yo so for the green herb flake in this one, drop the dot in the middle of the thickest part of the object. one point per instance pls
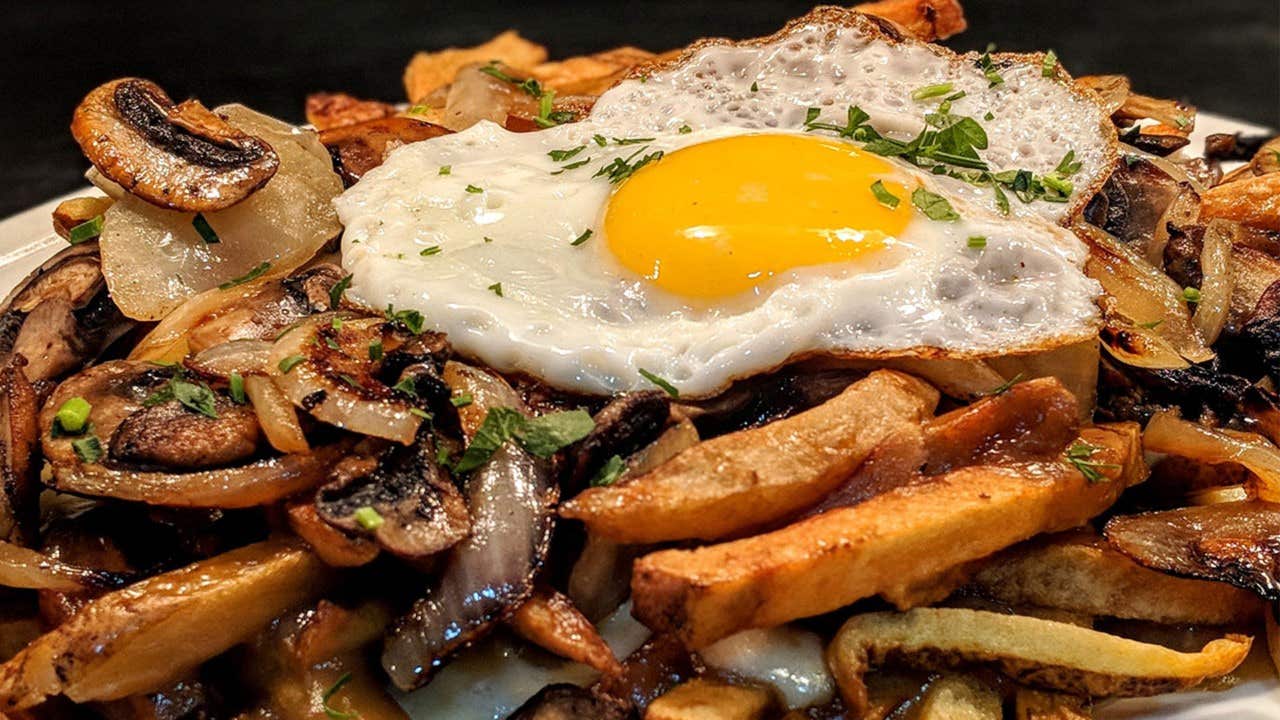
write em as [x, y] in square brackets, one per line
[685, 130]
[1151, 325]
[562, 155]
[755, 87]
[73, 416]
[666, 386]
[585, 236]
[332, 712]
[632, 141]
[253, 274]
[461, 400]
[446, 169]
[289, 363]
[1049, 66]
[600, 140]
[545, 435]
[410, 320]
[977, 242]
[202, 226]
[428, 252]
[988, 68]
[407, 386]
[337, 291]
[419, 412]
[474, 190]
[989, 116]
[194, 396]
[367, 518]
[1003, 387]
[1191, 295]
[85, 231]
[931, 91]
[934, 206]
[498, 427]
[235, 386]
[496, 288]
[609, 473]
[88, 449]
[1080, 455]
[883, 195]
[375, 349]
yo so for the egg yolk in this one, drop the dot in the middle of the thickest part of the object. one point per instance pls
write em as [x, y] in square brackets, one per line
[721, 217]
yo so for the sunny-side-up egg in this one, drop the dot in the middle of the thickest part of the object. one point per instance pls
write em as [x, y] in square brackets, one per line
[709, 221]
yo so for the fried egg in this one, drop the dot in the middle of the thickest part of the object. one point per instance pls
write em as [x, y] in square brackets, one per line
[712, 219]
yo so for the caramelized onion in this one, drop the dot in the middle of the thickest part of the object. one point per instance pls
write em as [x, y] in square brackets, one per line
[276, 415]
[24, 568]
[1218, 283]
[1166, 433]
[1181, 212]
[167, 341]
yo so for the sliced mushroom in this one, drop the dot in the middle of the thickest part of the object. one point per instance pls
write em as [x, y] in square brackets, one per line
[19, 443]
[766, 398]
[628, 423]
[172, 436]
[1233, 542]
[180, 157]
[419, 510]
[359, 148]
[570, 702]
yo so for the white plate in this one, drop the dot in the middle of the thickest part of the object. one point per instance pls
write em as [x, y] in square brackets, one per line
[26, 240]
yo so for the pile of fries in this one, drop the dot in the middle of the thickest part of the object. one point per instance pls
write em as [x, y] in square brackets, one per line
[208, 507]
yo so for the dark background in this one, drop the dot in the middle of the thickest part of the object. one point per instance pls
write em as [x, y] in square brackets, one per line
[1222, 55]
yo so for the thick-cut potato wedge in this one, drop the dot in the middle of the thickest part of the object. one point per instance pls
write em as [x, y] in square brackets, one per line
[139, 638]
[1032, 651]
[743, 480]
[1031, 704]
[704, 699]
[589, 74]
[1252, 201]
[1081, 573]
[960, 697]
[926, 20]
[428, 72]
[884, 546]
[550, 621]
[326, 111]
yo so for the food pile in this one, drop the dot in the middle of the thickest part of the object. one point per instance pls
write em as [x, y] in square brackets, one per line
[1043, 474]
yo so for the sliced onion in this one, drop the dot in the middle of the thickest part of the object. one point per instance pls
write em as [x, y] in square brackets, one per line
[153, 259]
[24, 568]
[276, 415]
[1215, 495]
[1182, 211]
[368, 409]
[1141, 293]
[246, 357]
[1166, 433]
[1253, 271]
[1218, 283]
[167, 341]
[490, 574]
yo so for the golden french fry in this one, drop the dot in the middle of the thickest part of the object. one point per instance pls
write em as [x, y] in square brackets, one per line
[1081, 573]
[428, 72]
[743, 480]
[926, 20]
[75, 211]
[139, 638]
[589, 74]
[326, 111]
[1041, 653]
[550, 621]
[705, 699]
[884, 546]
[1252, 201]
[960, 697]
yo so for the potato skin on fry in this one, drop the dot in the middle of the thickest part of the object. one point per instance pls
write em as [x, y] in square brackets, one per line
[704, 699]
[926, 20]
[746, 479]
[1252, 201]
[883, 546]
[137, 639]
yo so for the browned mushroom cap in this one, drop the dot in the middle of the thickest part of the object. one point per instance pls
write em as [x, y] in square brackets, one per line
[570, 702]
[19, 471]
[181, 157]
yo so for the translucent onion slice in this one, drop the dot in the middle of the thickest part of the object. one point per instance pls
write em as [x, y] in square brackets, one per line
[276, 415]
[25, 568]
[246, 357]
[1182, 211]
[167, 341]
[153, 259]
[1166, 433]
[1218, 283]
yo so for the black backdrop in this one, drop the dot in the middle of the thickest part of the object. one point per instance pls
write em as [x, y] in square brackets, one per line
[1219, 54]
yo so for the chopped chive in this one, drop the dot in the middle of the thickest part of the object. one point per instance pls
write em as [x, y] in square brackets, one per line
[474, 190]
[253, 274]
[202, 226]
[375, 349]
[666, 386]
[88, 449]
[236, 388]
[1151, 325]
[367, 518]
[883, 195]
[685, 129]
[336, 292]
[932, 91]
[572, 166]
[496, 288]
[977, 242]
[461, 400]
[1049, 67]
[600, 140]
[446, 169]
[290, 363]
[428, 252]
[1191, 295]
[73, 415]
[1003, 387]
[85, 231]
[585, 236]
[562, 155]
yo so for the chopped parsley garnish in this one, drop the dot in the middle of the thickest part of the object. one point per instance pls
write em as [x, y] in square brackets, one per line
[333, 712]
[1191, 295]
[350, 380]
[428, 252]
[202, 226]
[755, 87]
[1003, 387]
[195, 396]
[585, 236]
[609, 472]
[410, 320]
[1151, 325]
[446, 169]
[1080, 454]
[253, 274]
[474, 190]
[367, 518]
[932, 91]
[419, 412]
[530, 86]
[542, 436]
[934, 206]
[632, 141]
[496, 288]
[73, 415]
[461, 400]
[88, 449]
[685, 130]
[375, 349]
[600, 140]
[977, 242]
[573, 165]
[988, 69]
[407, 386]
[338, 290]
[235, 386]
[621, 169]
[562, 155]
[1049, 66]
[289, 363]
[883, 195]
[667, 387]
[85, 231]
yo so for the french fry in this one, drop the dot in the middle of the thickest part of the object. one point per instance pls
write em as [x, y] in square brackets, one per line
[1031, 704]
[926, 20]
[1041, 653]
[1252, 201]
[75, 211]
[883, 546]
[1080, 573]
[428, 72]
[589, 74]
[326, 111]
[550, 621]
[704, 699]
[743, 480]
[960, 697]
[136, 639]
[1032, 419]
